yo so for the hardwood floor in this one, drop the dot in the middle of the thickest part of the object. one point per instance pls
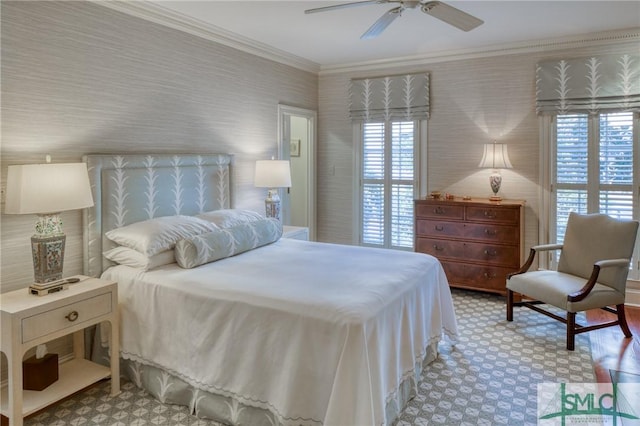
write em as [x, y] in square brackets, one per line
[610, 350]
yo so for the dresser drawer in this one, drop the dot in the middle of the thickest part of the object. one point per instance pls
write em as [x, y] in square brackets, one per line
[492, 254]
[455, 272]
[493, 214]
[482, 277]
[439, 211]
[435, 228]
[493, 233]
[441, 248]
[60, 318]
[487, 277]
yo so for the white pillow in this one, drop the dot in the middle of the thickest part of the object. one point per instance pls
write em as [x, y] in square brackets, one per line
[135, 259]
[152, 236]
[226, 218]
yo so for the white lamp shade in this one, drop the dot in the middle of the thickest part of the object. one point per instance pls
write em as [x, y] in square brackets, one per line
[47, 188]
[272, 174]
[495, 156]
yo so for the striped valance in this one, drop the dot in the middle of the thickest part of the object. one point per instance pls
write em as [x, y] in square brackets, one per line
[591, 85]
[398, 97]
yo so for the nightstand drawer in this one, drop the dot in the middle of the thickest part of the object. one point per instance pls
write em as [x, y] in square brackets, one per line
[67, 316]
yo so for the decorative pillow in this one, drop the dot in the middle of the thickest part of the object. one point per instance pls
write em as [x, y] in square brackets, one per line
[226, 218]
[226, 242]
[152, 236]
[135, 259]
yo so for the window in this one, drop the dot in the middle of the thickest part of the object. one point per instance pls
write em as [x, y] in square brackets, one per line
[594, 168]
[388, 183]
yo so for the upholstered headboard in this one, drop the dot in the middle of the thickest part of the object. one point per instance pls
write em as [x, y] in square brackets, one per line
[132, 188]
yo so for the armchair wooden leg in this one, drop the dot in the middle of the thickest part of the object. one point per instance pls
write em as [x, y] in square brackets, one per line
[622, 319]
[509, 305]
[571, 331]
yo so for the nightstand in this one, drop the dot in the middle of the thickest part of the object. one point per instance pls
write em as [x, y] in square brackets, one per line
[295, 232]
[29, 320]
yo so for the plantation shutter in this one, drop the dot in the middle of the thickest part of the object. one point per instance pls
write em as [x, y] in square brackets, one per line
[616, 165]
[572, 159]
[373, 174]
[400, 97]
[388, 183]
[402, 183]
[603, 184]
[588, 85]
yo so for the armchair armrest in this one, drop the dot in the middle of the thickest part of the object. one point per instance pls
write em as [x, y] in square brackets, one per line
[612, 262]
[584, 291]
[547, 247]
[532, 254]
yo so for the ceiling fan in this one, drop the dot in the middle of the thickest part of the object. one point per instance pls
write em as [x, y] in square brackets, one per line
[437, 9]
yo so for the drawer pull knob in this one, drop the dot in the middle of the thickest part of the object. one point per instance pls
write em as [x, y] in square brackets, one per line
[439, 227]
[488, 275]
[438, 210]
[489, 214]
[490, 252]
[437, 247]
[490, 231]
[72, 316]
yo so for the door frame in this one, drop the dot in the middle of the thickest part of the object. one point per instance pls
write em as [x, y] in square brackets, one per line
[285, 112]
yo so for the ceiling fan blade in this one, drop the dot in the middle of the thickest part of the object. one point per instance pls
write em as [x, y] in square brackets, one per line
[451, 15]
[381, 24]
[345, 5]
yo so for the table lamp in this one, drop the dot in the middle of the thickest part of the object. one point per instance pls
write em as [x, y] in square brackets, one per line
[46, 190]
[495, 157]
[272, 174]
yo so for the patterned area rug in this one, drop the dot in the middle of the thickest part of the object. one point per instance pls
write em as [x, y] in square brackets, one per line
[489, 377]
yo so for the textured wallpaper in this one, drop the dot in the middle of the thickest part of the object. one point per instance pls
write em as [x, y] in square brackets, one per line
[473, 102]
[79, 78]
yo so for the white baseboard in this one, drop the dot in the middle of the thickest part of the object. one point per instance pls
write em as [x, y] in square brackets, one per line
[632, 297]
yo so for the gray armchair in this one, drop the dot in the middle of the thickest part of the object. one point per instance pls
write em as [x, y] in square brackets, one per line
[592, 273]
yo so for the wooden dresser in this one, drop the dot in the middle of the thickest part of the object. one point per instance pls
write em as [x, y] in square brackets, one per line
[477, 241]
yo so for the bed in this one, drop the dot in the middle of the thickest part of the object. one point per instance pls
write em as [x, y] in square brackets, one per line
[287, 332]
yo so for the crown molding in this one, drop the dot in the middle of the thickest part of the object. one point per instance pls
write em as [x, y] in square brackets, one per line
[153, 12]
[160, 15]
[630, 36]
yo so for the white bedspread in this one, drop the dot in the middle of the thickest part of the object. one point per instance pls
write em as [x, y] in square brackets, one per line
[317, 333]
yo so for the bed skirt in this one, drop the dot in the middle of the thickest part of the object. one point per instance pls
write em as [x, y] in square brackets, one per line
[170, 389]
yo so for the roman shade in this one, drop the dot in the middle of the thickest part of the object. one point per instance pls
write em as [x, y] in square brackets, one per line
[399, 97]
[588, 85]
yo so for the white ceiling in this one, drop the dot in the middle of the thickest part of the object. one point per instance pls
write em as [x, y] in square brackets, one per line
[332, 38]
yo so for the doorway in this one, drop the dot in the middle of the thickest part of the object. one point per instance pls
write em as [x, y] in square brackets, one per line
[297, 143]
